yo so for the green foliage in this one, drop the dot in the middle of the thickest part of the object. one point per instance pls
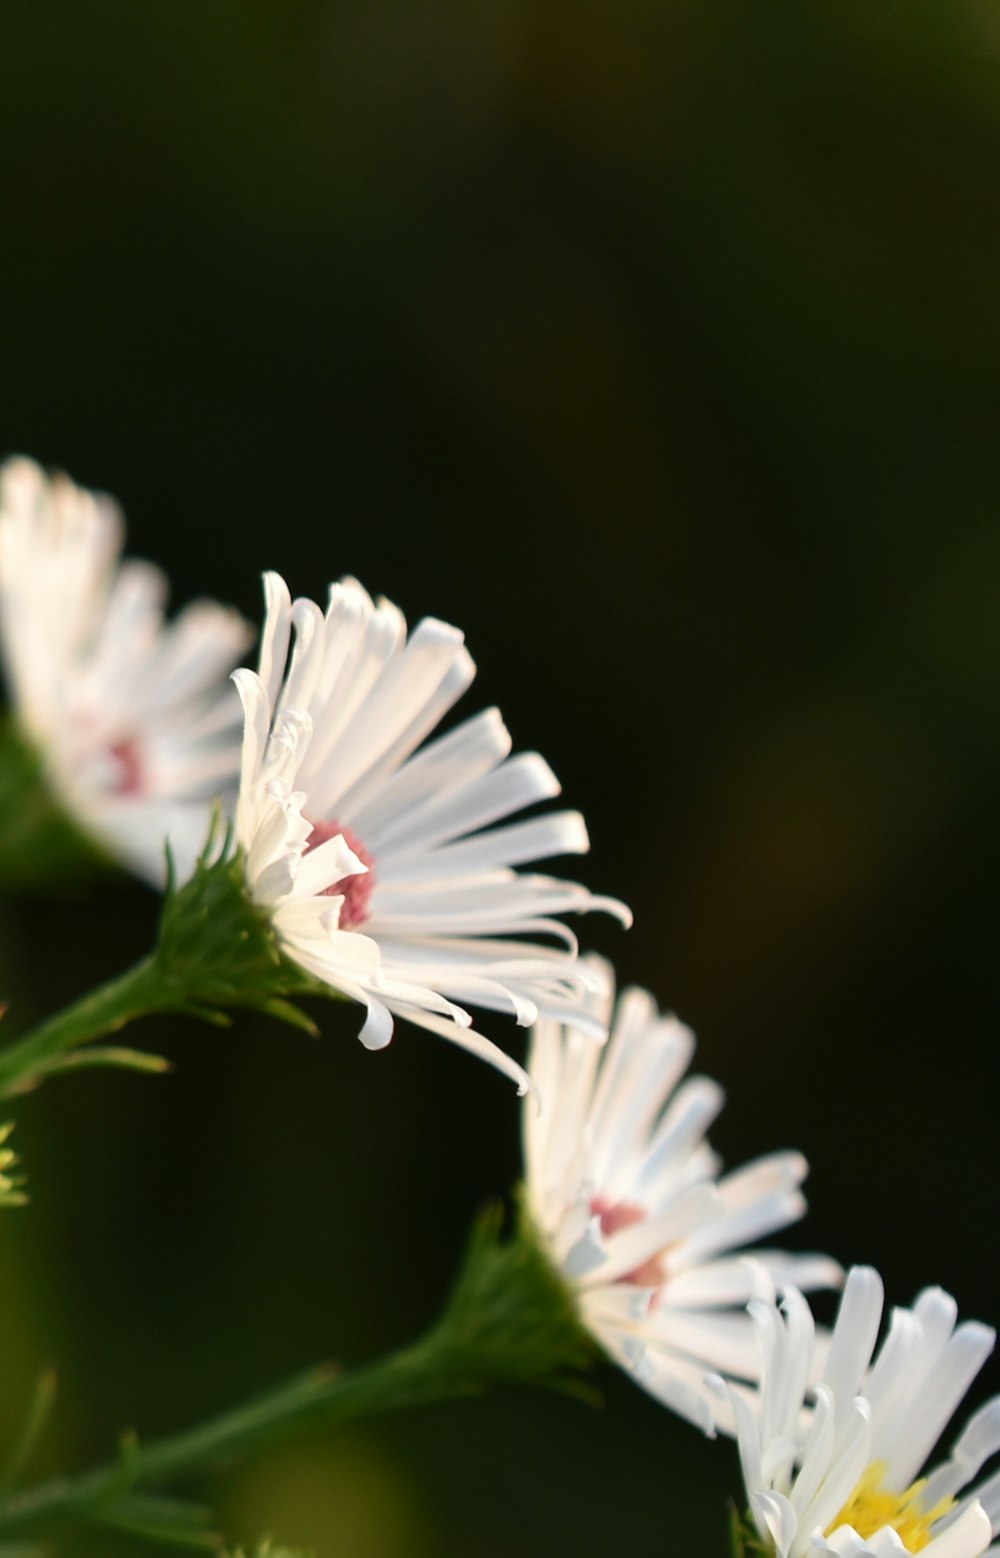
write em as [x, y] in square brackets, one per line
[117, 1055]
[40, 844]
[105, 1010]
[743, 1536]
[31, 1430]
[510, 1318]
[266, 1549]
[216, 948]
[11, 1193]
[167, 1522]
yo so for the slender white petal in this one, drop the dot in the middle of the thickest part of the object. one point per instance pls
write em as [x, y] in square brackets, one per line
[623, 1190]
[830, 1469]
[349, 832]
[854, 1337]
[943, 1389]
[968, 1536]
[979, 1440]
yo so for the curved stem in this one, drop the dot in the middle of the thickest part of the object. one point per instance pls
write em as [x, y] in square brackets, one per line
[508, 1320]
[139, 991]
[427, 1371]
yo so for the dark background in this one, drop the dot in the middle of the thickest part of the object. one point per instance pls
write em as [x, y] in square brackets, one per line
[657, 345]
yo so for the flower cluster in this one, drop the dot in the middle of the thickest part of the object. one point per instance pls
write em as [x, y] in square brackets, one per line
[133, 720]
[833, 1444]
[364, 855]
[628, 1196]
[379, 860]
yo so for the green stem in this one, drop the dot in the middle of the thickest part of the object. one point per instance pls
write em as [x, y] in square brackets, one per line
[509, 1320]
[430, 1370]
[743, 1536]
[215, 950]
[139, 991]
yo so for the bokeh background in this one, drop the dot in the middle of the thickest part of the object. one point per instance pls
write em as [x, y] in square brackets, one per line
[658, 345]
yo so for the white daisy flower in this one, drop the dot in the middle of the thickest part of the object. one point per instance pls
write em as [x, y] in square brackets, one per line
[380, 865]
[837, 1467]
[625, 1192]
[134, 722]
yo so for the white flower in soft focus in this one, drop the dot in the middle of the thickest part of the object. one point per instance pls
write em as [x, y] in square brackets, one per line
[135, 722]
[378, 863]
[625, 1191]
[838, 1475]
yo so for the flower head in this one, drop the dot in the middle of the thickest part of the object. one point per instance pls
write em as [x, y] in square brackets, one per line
[380, 864]
[837, 1467]
[135, 725]
[626, 1193]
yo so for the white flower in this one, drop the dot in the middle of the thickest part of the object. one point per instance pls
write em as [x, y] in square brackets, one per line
[624, 1190]
[838, 1475]
[134, 721]
[378, 863]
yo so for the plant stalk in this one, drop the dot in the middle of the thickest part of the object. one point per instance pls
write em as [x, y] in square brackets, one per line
[430, 1370]
[136, 993]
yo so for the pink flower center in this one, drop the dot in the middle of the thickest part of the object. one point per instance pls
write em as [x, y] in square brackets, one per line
[355, 890]
[618, 1215]
[130, 777]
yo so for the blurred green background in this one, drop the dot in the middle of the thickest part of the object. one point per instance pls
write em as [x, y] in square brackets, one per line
[657, 345]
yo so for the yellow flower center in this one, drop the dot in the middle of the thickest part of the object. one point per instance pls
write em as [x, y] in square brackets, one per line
[872, 1506]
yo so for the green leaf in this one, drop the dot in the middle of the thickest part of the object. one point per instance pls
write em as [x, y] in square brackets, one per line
[126, 1059]
[167, 1521]
[35, 1422]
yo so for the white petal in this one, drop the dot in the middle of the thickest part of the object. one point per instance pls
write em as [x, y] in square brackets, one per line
[275, 636]
[775, 1519]
[854, 1337]
[978, 1441]
[945, 1387]
[966, 1537]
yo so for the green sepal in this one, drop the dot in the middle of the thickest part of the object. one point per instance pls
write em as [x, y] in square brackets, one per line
[123, 1059]
[744, 1537]
[217, 948]
[41, 846]
[511, 1319]
[294, 1016]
